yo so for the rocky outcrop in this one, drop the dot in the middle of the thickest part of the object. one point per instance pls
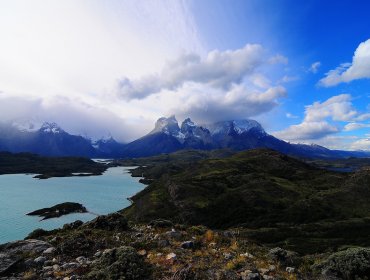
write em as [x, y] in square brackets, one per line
[13, 255]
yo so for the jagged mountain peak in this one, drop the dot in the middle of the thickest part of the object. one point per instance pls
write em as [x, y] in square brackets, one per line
[51, 127]
[169, 126]
[236, 126]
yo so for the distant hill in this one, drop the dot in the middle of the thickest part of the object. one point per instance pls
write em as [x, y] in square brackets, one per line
[46, 167]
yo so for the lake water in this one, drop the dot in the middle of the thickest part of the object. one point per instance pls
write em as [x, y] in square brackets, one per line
[21, 194]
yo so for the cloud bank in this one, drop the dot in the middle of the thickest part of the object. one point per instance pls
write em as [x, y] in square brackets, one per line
[219, 69]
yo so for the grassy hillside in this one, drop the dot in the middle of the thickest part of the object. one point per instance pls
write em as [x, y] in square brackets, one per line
[253, 189]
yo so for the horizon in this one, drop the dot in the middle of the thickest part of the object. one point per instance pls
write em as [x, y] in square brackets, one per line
[114, 68]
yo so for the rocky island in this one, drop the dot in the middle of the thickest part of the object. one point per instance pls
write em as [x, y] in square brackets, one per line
[59, 210]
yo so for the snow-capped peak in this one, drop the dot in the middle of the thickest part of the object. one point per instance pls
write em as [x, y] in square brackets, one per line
[237, 126]
[169, 126]
[241, 126]
[188, 122]
[52, 127]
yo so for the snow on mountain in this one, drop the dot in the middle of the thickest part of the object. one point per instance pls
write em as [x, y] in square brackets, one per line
[169, 126]
[237, 126]
[241, 126]
[50, 127]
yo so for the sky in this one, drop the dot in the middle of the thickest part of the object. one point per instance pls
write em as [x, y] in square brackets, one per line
[98, 68]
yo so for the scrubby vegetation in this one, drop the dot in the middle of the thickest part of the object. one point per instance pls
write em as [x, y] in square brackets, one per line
[275, 198]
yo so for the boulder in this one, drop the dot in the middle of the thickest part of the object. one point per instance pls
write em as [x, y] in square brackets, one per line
[12, 254]
[187, 245]
[284, 257]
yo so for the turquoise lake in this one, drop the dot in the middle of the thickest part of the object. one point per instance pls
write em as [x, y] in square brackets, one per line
[21, 194]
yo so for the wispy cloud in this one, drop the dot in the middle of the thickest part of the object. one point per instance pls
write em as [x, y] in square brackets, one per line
[314, 68]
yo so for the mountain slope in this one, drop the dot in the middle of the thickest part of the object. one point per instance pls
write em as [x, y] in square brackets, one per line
[51, 140]
[254, 188]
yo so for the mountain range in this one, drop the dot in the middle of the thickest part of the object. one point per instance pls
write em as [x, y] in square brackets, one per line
[166, 137]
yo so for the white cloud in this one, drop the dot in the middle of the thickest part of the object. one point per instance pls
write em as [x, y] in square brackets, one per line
[314, 68]
[288, 79]
[319, 118]
[278, 59]
[347, 72]
[361, 144]
[208, 105]
[291, 116]
[219, 69]
[76, 50]
[307, 131]
[338, 107]
[354, 126]
[74, 116]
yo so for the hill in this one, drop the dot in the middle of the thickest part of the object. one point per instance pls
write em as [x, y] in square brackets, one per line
[256, 189]
[48, 166]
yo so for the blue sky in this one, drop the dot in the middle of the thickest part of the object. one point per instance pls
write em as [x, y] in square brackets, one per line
[114, 67]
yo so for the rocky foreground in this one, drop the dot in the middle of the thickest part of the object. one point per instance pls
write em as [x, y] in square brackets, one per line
[111, 248]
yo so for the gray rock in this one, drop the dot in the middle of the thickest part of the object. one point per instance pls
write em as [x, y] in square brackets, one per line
[163, 243]
[47, 268]
[56, 267]
[171, 256]
[40, 260]
[12, 253]
[71, 265]
[48, 263]
[187, 245]
[228, 256]
[29, 263]
[174, 234]
[24, 246]
[98, 254]
[253, 276]
[7, 262]
[81, 260]
[264, 270]
[284, 257]
[50, 250]
[290, 269]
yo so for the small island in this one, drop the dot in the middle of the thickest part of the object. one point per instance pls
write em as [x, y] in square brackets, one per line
[59, 210]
